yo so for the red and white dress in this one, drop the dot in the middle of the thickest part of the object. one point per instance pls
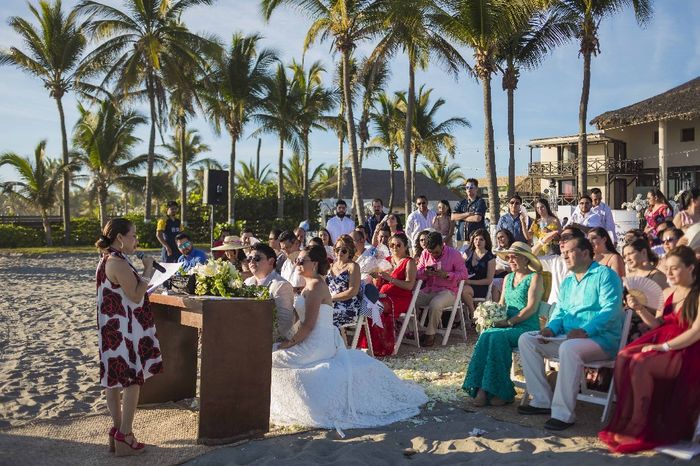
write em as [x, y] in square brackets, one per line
[127, 340]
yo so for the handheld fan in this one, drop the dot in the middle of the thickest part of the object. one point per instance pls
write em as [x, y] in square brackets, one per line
[646, 290]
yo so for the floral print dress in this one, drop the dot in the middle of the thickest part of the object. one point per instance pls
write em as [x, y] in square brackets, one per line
[344, 312]
[127, 341]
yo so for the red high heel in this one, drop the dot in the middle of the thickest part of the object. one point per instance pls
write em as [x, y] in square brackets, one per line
[123, 447]
[111, 433]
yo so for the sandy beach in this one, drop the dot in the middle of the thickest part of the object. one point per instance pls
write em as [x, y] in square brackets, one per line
[48, 390]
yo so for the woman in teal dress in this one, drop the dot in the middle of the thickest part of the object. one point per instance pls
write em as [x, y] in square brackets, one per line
[488, 376]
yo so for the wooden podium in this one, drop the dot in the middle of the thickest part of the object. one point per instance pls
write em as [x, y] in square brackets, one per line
[236, 362]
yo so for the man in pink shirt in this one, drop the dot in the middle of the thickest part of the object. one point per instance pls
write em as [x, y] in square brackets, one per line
[441, 268]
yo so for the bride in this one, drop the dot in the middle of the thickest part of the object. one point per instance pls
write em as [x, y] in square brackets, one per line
[317, 382]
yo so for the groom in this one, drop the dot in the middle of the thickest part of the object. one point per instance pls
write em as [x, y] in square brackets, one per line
[261, 261]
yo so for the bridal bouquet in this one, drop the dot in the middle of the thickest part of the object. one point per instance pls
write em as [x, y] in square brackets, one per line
[487, 313]
[374, 260]
[221, 278]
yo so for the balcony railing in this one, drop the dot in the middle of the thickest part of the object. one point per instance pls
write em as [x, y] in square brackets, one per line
[568, 168]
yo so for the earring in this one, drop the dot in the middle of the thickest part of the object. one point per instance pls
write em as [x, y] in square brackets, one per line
[122, 244]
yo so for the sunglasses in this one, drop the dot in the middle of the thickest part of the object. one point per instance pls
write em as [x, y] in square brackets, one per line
[301, 260]
[253, 259]
[340, 250]
[395, 245]
[421, 203]
[184, 245]
[669, 240]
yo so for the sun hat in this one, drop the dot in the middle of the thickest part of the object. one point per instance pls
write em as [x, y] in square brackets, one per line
[522, 249]
[230, 243]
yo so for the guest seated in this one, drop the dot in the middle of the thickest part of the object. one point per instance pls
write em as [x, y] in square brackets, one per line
[481, 268]
[289, 244]
[515, 220]
[641, 262]
[398, 285]
[690, 205]
[584, 217]
[189, 255]
[232, 247]
[658, 211]
[632, 235]
[225, 231]
[327, 243]
[658, 248]
[261, 261]
[669, 240]
[556, 264]
[604, 251]
[441, 268]
[589, 319]
[392, 222]
[363, 255]
[488, 377]
[504, 239]
[544, 231]
[419, 247]
[657, 375]
[443, 222]
[383, 236]
[344, 283]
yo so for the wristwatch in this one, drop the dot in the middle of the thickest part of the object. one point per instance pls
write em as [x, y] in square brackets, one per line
[510, 324]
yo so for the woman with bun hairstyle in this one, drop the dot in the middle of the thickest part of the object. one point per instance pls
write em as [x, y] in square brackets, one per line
[127, 342]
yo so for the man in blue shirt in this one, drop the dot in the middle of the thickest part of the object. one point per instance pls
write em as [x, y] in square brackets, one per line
[471, 210]
[585, 327]
[376, 218]
[190, 256]
[514, 221]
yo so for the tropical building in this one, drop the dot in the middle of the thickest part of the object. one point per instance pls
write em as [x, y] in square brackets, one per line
[652, 143]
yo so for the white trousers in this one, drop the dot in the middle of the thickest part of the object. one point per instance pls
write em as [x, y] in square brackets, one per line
[572, 355]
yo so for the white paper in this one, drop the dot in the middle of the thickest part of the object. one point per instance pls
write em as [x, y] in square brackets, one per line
[159, 277]
[682, 450]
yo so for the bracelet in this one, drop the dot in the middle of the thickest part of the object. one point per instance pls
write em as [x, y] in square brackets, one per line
[510, 324]
[666, 347]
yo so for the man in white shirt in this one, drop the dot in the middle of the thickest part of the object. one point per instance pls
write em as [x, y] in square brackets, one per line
[340, 224]
[261, 261]
[289, 244]
[604, 211]
[584, 217]
[419, 220]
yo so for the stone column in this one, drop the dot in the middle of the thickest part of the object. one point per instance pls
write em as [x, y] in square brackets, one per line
[663, 145]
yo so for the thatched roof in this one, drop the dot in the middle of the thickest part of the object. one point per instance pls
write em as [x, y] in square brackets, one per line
[682, 102]
[375, 184]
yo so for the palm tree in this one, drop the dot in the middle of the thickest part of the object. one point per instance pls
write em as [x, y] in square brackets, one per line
[586, 16]
[279, 114]
[251, 177]
[525, 49]
[105, 139]
[483, 25]
[38, 183]
[430, 137]
[314, 101]
[54, 51]
[347, 23]
[192, 148]
[371, 80]
[387, 121]
[146, 46]
[444, 174]
[415, 27]
[238, 82]
[320, 179]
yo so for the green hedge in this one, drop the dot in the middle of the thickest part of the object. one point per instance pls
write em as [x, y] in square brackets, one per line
[15, 236]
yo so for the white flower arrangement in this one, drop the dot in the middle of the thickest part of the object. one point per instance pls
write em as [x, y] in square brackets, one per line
[639, 205]
[487, 313]
[221, 278]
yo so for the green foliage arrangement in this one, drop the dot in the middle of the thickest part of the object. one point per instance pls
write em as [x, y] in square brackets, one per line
[221, 278]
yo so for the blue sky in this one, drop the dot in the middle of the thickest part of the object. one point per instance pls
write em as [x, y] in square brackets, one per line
[635, 63]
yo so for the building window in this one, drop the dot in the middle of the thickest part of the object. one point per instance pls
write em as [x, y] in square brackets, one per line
[655, 139]
[567, 189]
[688, 134]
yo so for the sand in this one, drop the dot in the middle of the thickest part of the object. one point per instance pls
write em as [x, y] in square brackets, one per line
[49, 380]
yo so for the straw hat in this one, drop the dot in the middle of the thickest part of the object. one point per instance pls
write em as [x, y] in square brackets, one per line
[520, 248]
[230, 243]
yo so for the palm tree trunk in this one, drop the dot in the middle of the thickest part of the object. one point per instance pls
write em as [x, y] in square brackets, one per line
[232, 181]
[257, 160]
[66, 174]
[280, 182]
[352, 138]
[407, 185]
[511, 144]
[102, 202]
[414, 160]
[306, 176]
[47, 227]
[490, 153]
[151, 151]
[183, 170]
[391, 184]
[340, 167]
[582, 176]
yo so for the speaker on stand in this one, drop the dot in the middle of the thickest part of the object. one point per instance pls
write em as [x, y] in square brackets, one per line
[215, 193]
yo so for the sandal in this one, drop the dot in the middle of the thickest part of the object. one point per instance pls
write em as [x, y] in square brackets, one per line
[111, 434]
[123, 447]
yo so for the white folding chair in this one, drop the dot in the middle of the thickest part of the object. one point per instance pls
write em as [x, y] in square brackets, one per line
[360, 323]
[410, 316]
[543, 312]
[594, 396]
[485, 298]
[456, 307]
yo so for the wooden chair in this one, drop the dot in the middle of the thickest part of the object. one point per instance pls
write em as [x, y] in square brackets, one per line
[410, 316]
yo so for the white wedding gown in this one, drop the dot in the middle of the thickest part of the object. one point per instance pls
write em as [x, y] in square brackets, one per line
[320, 383]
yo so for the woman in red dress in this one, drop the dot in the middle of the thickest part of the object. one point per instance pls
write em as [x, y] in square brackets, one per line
[657, 376]
[398, 286]
[127, 341]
